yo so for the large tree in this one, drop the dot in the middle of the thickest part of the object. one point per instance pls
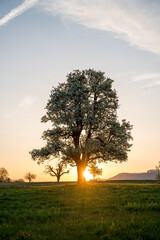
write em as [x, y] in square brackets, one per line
[85, 127]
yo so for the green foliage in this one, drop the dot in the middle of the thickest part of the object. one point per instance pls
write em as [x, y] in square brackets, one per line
[158, 177]
[83, 112]
[97, 211]
[94, 170]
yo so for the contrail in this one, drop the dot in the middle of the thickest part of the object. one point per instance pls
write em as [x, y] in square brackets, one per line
[135, 22]
[17, 11]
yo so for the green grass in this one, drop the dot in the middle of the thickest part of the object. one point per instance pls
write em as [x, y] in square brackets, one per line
[69, 212]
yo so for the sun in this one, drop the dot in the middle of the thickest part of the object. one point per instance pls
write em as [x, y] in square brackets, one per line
[87, 175]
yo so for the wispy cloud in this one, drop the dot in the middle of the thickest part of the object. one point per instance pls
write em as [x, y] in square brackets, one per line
[146, 76]
[27, 102]
[17, 11]
[148, 80]
[154, 83]
[136, 21]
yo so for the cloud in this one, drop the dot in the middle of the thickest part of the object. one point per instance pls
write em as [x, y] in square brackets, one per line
[150, 79]
[17, 11]
[146, 76]
[152, 84]
[137, 22]
[27, 102]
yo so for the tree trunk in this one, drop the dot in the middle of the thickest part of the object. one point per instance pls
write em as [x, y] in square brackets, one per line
[58, 178]
[80, 174]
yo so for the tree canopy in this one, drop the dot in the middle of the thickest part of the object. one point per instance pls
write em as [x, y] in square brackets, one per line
[158, 171]
[85, 126]
[30, 176]
[3, 174]
[95, 170]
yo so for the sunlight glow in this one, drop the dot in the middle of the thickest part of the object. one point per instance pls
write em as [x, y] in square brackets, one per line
[87, 175]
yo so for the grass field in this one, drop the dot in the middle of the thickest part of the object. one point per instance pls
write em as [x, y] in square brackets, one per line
[98, 211]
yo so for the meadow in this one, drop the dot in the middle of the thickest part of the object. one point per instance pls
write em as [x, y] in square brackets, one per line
[104, 211]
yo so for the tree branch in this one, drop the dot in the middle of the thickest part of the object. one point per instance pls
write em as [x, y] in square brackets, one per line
[64, 173]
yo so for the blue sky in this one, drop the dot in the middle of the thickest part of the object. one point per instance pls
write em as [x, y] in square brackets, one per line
[42, 41]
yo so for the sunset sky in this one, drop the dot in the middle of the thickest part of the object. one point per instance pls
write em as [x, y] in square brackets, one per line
[41, 41]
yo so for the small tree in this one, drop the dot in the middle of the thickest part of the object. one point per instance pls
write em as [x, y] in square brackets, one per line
[57, 172]
[30, 176]
[158, 171]
[94, 170]
[19, 180]
[8, 180]
[3, 174]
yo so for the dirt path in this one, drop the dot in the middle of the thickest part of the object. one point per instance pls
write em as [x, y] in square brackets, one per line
[3, 186]
[34, 184]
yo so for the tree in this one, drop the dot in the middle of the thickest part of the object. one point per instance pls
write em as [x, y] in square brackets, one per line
[58, 172]
[30, 176]
[3, 174]
[83, 113]
[94, 170]
[158, 171]
[20, 180]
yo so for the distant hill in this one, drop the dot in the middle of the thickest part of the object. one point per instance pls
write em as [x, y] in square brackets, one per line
[149, 175]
